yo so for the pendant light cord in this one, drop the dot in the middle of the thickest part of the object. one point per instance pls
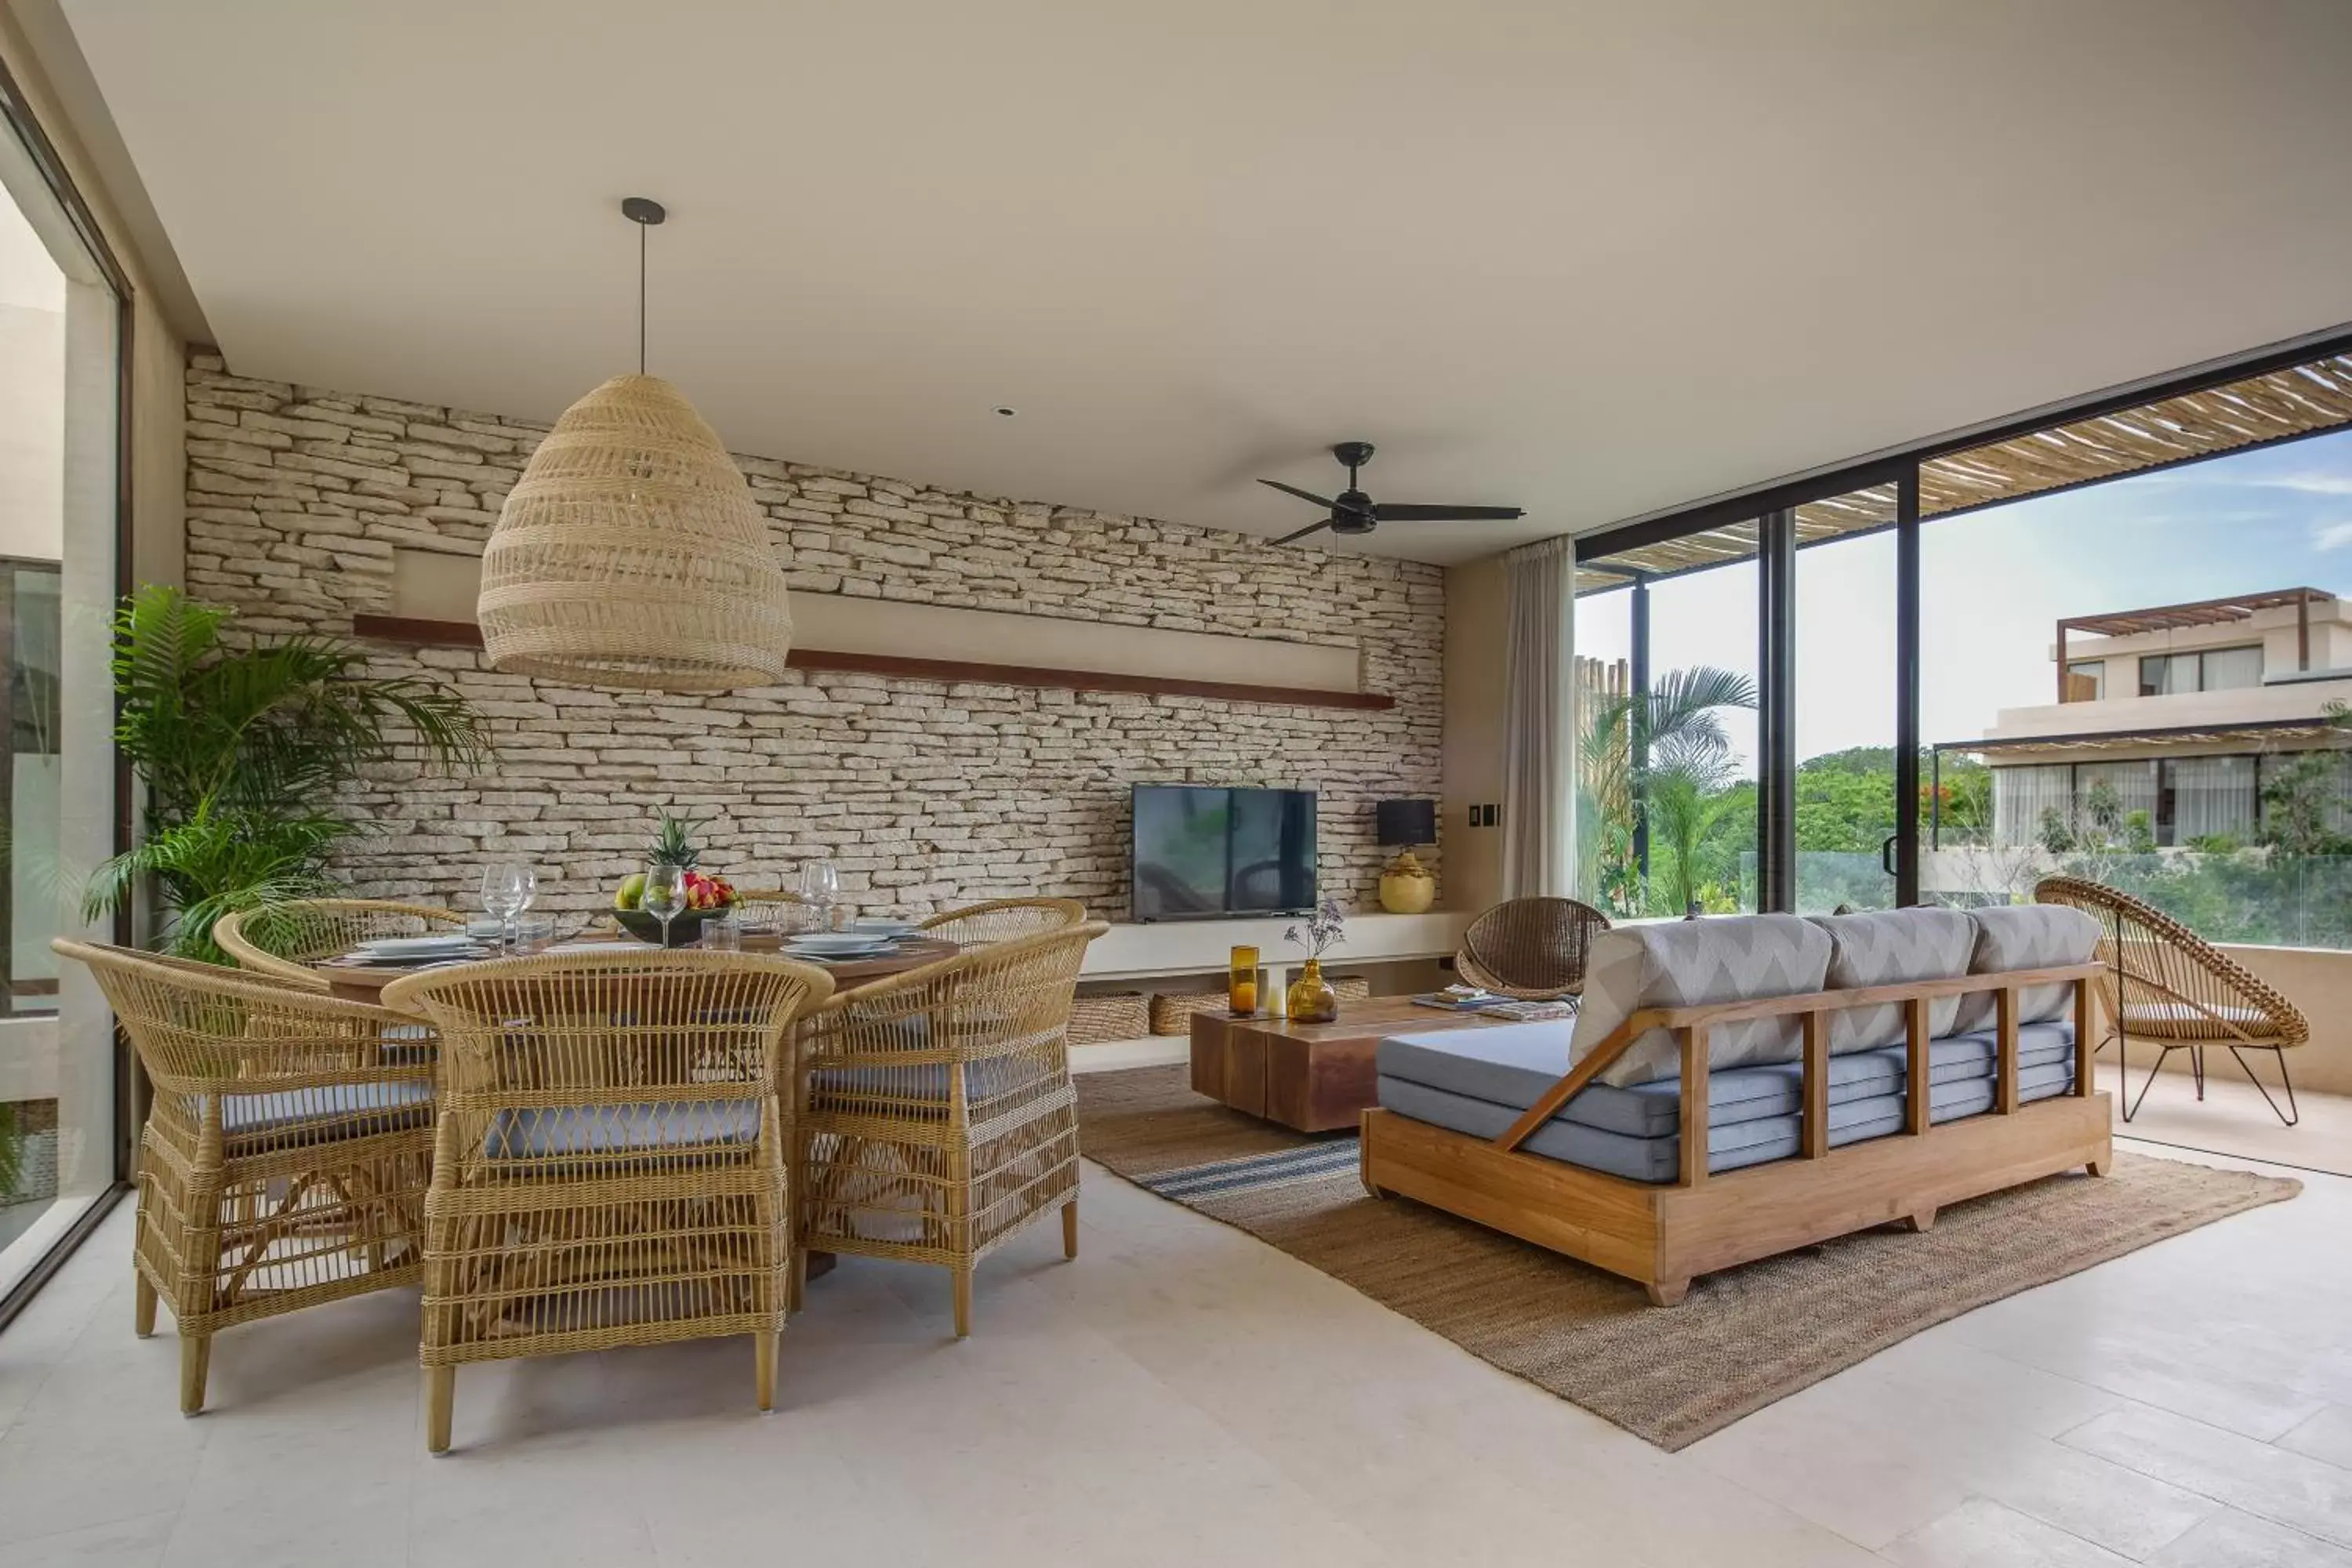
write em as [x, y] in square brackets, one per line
[641, 299]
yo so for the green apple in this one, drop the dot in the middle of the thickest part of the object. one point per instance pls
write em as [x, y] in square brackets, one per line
[632, 893]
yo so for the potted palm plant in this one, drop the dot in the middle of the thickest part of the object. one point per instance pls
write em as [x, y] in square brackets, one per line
[244, 751]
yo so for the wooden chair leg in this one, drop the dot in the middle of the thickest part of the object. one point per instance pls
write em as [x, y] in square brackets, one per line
[764, 1349]
[964, 1301]
[196, 1364]
[1070, 1228]
[440, 1401]
[796, 1282]
[143, 1305]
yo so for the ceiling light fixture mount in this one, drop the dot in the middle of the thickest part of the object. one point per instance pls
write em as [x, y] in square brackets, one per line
[630, 554]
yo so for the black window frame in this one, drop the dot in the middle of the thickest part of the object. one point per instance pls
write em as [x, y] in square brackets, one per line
[1776, 785]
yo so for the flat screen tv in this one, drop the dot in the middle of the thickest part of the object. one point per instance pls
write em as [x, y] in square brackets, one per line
[1201, 853]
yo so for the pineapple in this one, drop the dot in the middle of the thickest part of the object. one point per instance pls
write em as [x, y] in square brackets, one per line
[674, 843]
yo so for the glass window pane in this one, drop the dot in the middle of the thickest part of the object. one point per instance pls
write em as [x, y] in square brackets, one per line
[58, 447]
[1667, 815]
[2232, 668]
[2213, 797]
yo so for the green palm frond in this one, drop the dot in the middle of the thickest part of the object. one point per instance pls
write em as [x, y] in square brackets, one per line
[244, 750]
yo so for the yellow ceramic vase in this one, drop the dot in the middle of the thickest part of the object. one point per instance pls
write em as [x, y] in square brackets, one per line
[1406, 886]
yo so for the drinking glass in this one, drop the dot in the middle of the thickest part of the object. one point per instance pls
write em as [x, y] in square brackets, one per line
[507, 889]
[821, 886]
[723, 933]
[663, 896]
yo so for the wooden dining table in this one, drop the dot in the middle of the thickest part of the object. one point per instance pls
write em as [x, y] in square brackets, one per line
[365, 982]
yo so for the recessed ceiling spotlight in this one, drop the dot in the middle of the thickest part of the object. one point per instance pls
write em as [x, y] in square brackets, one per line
[1006, 413]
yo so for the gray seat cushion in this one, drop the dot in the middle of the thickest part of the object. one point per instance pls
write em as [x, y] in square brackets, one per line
[1728, 1147]
[1766, 1127]
[340, 1110]
[665, 1127]
[926, 1082]
[1511, 1065]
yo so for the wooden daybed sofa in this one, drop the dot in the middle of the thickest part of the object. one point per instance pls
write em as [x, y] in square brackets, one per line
[1740, 1086]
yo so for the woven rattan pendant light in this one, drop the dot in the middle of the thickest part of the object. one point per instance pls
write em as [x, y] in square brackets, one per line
[630, 554]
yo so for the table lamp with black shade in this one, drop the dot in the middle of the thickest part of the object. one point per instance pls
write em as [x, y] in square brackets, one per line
[1406, 886]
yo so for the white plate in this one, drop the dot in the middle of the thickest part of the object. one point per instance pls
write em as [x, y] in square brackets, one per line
[835, 947]
[879, 927]
[415, 946]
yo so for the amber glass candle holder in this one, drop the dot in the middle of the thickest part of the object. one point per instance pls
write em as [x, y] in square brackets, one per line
[1241, 982]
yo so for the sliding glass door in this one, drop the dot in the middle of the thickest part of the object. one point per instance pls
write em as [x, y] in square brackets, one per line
[60, 441]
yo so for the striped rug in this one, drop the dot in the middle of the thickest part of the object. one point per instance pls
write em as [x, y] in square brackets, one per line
[1744, 1338]
[1254, 1173]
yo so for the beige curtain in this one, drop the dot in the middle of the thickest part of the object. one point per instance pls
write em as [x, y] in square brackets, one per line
[1539, 720]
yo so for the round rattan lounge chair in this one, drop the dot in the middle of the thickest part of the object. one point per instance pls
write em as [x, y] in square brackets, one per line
[284, 1160]
[1531, 949]
[2169, 986]
[283, 940]
[1003, 919]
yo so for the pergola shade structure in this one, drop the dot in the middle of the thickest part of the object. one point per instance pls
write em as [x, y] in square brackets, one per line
[2306, 399]
[631, 554]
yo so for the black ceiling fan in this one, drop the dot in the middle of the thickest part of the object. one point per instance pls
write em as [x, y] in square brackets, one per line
[1354, 513]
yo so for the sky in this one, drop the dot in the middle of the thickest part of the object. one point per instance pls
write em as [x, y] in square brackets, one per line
[1993, 585]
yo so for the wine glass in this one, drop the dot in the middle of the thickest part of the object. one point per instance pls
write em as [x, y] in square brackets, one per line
[665, 894]
[507, 890]
[821, 886]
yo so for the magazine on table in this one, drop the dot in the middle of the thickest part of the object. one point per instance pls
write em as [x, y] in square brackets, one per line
[1470, 999]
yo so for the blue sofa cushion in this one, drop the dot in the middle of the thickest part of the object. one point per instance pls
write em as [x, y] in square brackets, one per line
[1511, 1065]
[1731, 1146]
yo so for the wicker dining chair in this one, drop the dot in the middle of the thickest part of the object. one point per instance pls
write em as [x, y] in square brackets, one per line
[284, 939]
[1531, 949]
[935, 1111]
[609, 1166]
[1003, 919]
[284, 1160]
[2170, 987]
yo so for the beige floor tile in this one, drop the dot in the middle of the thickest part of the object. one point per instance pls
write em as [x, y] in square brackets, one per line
[2235, 1539]
[1981, 1533]
[2258, 1478]
[127, 1543]
[2326, 1435]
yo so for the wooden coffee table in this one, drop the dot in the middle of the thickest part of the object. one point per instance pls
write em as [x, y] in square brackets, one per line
[1316, 1078]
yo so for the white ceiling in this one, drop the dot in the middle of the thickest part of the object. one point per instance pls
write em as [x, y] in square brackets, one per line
[1589, 260]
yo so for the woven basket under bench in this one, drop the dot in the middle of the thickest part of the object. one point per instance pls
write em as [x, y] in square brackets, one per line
[1107, 1015]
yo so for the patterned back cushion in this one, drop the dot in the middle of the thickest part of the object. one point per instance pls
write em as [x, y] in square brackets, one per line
[1689, 964]
[2027, 936]
[1888, 947]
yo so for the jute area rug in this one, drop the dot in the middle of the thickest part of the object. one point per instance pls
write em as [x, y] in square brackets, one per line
[1743, 1339]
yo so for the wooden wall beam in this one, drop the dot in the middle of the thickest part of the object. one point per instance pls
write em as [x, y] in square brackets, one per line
[418, 633]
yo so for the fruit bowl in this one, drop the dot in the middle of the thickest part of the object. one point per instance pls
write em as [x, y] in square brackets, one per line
[685, 926]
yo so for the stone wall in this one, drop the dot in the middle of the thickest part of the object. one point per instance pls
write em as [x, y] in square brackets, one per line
[926, 794]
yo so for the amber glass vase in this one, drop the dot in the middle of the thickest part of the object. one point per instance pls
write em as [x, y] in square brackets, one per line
[1311, 998]
[1241, 982]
